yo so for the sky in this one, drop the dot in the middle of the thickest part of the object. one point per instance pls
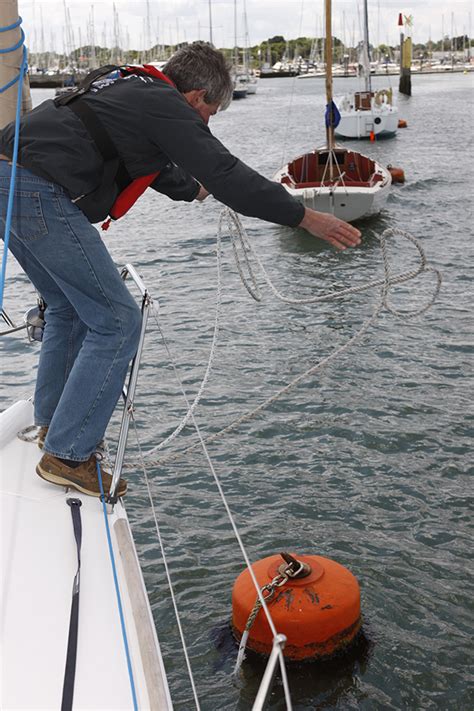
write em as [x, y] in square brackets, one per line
[142, 24]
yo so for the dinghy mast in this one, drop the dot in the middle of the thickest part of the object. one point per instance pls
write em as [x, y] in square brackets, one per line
[330, 110]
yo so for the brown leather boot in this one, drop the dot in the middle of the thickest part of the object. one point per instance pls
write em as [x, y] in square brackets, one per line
[83, 478]
[101, 450]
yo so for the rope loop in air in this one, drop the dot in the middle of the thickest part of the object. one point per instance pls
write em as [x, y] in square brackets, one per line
[245, 256]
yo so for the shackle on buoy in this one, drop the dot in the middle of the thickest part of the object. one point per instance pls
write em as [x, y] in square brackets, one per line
[294, 568]
[315, 603]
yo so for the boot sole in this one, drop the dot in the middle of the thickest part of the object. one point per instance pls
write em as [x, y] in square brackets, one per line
[61, 481]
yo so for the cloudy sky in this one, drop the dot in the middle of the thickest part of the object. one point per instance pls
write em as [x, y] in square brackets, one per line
[141, 23]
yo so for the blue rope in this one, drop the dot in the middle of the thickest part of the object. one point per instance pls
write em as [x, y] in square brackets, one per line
[117, 590]
[16, 141]
[12, 27]
[15, 46]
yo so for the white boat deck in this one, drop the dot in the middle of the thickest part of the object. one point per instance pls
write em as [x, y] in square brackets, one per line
[38, 564]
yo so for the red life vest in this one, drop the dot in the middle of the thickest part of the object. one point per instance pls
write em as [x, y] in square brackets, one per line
[128, 197]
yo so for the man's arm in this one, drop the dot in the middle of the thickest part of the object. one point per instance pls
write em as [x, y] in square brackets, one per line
[176, 184]
[179, 131]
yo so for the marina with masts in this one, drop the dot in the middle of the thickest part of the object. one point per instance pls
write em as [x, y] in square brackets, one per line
[98, 43]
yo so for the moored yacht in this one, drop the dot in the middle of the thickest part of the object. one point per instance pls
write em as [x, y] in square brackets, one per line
[367, 114]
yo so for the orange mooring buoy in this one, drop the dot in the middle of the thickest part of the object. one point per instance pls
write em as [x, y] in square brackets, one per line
[398, 174]
[318, 612]
[402, 123]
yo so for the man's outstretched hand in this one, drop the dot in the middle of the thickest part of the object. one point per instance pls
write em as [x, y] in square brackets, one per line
[331, 229]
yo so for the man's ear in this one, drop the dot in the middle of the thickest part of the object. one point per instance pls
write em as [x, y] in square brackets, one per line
[195, 97]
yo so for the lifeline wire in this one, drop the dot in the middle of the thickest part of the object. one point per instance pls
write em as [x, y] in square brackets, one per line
[19, 79]
[117, 590]
[239, 540]
[167, 571]
[230, 516]
[190, 414]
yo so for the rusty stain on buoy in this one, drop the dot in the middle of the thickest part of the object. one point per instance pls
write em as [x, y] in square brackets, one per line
[402, 123]
[318, 611]
[398, 174]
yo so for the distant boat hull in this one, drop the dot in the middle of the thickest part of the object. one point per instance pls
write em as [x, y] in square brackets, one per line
[240, 81]
[252, 86]
[307, 179]
[360, 124]
[367, 113]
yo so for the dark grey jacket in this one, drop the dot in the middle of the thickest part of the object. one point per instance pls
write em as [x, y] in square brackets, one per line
[154, 129]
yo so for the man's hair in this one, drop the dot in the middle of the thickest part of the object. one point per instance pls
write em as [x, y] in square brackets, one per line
[201, 66]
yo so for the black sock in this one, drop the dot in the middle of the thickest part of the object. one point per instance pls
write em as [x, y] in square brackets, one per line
[70, 462]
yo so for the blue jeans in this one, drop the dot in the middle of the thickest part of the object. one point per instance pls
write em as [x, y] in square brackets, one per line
[92, 321]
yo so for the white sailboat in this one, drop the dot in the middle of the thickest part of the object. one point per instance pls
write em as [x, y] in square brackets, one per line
[240, 80]
[334, 179]
[367, 113]
[252, 84]
[238, 73]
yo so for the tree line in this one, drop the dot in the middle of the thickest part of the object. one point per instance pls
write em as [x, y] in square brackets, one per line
[274, 49]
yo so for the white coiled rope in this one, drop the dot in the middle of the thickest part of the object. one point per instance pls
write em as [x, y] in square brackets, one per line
[244, 255]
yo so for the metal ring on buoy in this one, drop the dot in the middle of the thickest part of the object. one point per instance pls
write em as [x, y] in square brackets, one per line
[318, 612]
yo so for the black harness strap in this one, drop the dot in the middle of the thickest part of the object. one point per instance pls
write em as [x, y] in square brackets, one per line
[70, 670]
[85, 84]
[95, 127]
[102, 140]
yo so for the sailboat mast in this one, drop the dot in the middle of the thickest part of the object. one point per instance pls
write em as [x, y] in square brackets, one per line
[328, 50]
[210, 21]
[10, 63]
[368, 82]
[236, 51]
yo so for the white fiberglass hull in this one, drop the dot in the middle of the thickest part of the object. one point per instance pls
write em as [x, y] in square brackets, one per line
[346, 202]
[311, 75]
[361, 124]
[364, 113]
[39, 561]
[252, 87]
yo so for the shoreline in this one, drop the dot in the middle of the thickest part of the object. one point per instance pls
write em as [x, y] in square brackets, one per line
[53, 81]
